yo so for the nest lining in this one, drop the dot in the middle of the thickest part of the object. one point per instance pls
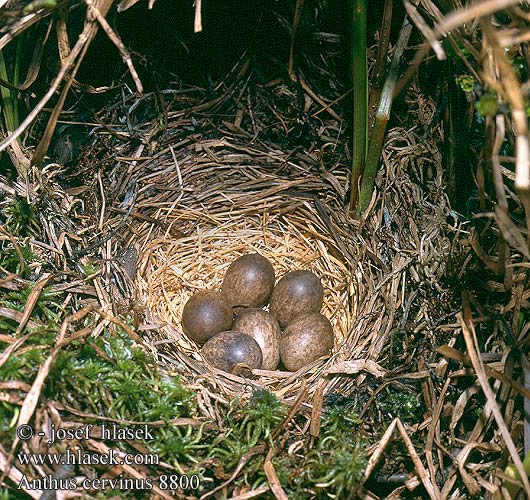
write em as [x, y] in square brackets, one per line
[209, 224]
[174, 269]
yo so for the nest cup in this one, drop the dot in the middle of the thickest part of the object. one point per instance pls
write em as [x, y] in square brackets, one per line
[218, 213]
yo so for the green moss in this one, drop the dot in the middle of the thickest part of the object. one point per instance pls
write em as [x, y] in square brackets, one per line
[338, 469]
[21, 218]
[487, 105]
[89, 269]
[7, 413]
[22, 367]
[10, 259]
[406, 405]
[132, 387]
[466, 82]
[7, 494]
[247, 425]
[180, 445]
[336, 463]
[48, 310]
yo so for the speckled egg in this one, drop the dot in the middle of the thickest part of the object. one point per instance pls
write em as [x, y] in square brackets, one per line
[249, 281]
[264, 329]
[226, 349]
[296, 293]
[306, 338]
[205, 314]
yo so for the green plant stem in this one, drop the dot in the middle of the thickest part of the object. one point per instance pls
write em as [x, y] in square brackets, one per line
[360, 98]
[6, 98]
[379, 69]
[382, 116]
[16, 72]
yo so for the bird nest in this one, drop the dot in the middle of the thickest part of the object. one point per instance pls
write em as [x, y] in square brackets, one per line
[235, 206]
[187, 212]
[154, 220]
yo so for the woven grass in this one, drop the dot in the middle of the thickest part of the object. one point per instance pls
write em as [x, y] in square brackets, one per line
[201, 206]
[246, 209]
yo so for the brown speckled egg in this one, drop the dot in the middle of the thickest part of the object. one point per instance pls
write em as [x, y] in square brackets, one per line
[205, 314]
[296, 293]
[264, 329]
[226, 349]
[249, 281]
[306, 338]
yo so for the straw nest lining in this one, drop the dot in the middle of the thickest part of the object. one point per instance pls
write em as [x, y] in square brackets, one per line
[175, 269]
[214, 213]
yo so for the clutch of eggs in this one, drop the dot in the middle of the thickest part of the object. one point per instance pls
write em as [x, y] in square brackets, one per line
[255, 338]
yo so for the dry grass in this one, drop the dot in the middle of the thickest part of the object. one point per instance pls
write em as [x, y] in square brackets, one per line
[423, 301]
[203, 205]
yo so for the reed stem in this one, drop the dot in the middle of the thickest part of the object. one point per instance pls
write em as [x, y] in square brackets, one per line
[382, 116]
[360, 98]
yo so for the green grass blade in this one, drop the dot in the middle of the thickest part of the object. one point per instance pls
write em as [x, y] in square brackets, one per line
[360, 98]
[7, 98]
[381, 120]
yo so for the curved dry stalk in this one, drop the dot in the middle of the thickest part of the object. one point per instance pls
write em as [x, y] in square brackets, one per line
[117, 42]
[514, 95]
[85, 38]
[444, 26]
[21, 26]
[461, 16]
[470, 338]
